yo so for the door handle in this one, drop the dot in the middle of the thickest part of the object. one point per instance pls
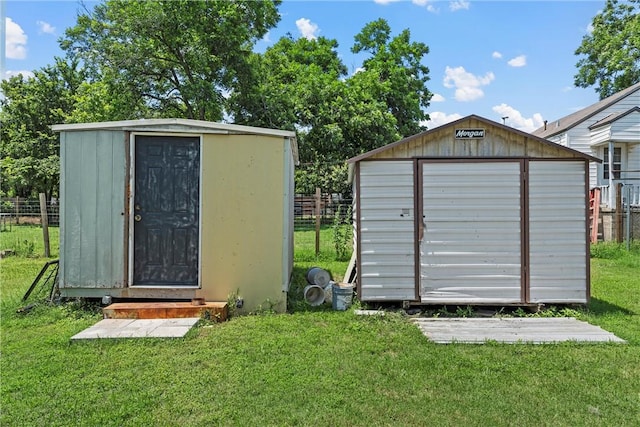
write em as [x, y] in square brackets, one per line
[137, 218]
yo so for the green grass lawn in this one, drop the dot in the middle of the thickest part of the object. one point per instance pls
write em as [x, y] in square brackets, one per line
[315, 366]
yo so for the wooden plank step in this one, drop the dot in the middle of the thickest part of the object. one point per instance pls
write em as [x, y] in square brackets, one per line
[166, 310]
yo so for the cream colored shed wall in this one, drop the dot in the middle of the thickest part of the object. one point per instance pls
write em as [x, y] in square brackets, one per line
[242, 206]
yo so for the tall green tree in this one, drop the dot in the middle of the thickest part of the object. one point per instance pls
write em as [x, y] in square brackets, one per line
[397, 63]
[302, 85]
[294, 85]
[611, 52]
[181, 57]
[100, 100]
[29, 149]
[289, 84]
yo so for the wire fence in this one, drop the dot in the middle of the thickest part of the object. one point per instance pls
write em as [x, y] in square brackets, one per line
[16, 210]
[307, 207]
[330, 206]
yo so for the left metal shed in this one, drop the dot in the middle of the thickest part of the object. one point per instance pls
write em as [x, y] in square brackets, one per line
[472, 212]
[176, 209]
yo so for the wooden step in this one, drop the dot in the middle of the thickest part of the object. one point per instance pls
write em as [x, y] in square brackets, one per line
[166, 310]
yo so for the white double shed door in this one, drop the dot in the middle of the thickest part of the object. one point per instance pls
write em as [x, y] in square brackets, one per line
[472, 232]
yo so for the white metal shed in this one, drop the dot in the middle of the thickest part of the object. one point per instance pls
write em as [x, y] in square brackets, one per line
[472, 212]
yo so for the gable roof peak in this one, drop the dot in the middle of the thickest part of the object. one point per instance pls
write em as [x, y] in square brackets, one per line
[475, 120]
[565, 123]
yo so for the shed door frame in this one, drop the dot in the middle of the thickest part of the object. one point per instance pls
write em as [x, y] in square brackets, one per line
[131, 210]
[524, 255]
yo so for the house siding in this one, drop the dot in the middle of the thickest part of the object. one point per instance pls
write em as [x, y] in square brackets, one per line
[600, 136]
[562, 139]
[580, 136]
[627, 128]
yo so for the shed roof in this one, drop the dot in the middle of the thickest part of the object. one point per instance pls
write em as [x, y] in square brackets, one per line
[565, 123]
[180, 126]
[571, 152]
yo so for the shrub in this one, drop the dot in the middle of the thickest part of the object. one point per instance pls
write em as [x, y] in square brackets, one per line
[342, 234]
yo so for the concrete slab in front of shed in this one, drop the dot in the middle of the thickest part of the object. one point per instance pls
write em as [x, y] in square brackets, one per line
[138, 328]
[512, 330]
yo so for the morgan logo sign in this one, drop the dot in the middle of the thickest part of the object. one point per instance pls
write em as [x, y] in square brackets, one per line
[469, 133]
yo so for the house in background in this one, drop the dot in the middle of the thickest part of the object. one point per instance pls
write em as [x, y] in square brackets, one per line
[609, 130]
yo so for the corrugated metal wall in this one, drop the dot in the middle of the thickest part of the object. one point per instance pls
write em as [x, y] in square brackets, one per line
[92, 185]
[557, 236]
[387, 230]
[471, 249]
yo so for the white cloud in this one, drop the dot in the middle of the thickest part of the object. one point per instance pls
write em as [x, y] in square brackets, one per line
[589, 29]
[496, 55]
[26, 74]
[385, 1]
[45, 27]
[467, 85]
[516, 120]
[358, 70]
[426, 3]
[308, 29]
[16, 41]
[437, 98]
[518, 61]
[459, 5]
[438, 118]
[567, 89]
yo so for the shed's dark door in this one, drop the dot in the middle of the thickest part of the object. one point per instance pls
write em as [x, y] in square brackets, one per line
[166, 210]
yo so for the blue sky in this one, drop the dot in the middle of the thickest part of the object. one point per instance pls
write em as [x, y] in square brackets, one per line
[495, 59]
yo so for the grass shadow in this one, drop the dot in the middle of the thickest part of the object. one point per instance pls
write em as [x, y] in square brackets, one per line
[599, 306]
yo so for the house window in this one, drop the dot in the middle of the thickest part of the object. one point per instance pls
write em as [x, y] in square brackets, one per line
[617, 163]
